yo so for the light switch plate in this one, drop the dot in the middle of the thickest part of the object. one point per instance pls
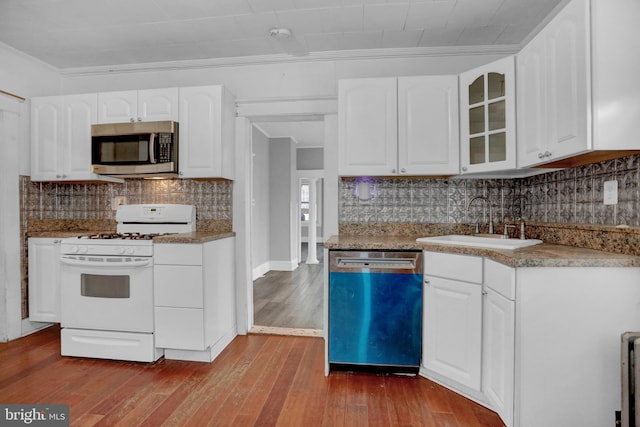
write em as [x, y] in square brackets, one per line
[611, 192]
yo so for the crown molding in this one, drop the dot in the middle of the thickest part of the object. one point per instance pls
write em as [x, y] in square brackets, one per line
[342, 55]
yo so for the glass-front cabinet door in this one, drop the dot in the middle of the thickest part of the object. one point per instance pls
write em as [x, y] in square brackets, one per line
[487, 118]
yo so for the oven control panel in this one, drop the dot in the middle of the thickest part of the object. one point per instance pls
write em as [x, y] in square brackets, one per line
[115, 248]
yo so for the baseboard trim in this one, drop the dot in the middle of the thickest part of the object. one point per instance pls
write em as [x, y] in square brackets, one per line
[297, 332]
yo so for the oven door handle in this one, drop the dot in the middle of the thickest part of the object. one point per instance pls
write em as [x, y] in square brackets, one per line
[81, 263]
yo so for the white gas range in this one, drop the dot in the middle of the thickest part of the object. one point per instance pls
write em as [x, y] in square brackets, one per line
[107, 284]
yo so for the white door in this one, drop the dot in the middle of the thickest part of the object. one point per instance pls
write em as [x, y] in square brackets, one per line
[46, 138]
[531, 85]
[367, 127]
[200, 132]
[118, 107]
[498, 353]
[428, 136]
[487, 117]
[158, 105]
[80, 112]
[569, 78]
[452, 330]
[44, 280]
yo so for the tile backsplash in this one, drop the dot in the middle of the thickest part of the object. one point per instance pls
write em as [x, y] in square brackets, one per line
[50, 200]
[573, 195]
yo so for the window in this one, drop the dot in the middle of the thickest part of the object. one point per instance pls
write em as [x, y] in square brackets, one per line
[304, 202]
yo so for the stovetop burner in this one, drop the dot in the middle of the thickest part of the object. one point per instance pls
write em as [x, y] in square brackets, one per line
[123, 236]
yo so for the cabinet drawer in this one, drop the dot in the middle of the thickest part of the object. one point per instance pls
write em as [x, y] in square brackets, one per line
[178, 286]
[179, 328]
[177, 254]
[451, 266]
[500, 278]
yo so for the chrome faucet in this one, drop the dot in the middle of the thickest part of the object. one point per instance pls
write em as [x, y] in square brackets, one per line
[488, 202]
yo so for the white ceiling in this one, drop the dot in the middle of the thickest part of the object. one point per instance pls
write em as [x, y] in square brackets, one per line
[88, 33]
[79, 34]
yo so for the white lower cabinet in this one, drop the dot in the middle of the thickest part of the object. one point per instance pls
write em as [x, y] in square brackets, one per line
[550, 346]
[452, 329]
[194, 299]
[498, 338]
[44, 279]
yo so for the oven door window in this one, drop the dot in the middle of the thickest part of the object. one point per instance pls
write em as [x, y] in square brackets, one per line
[102, 286]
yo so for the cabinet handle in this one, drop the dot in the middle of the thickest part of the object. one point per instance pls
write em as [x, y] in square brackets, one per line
[540, 155]
[484, 292]
[427, 281]
[132, 120]
[403, 170]
[547, 154]
[58, 176]
[180, 173]
[393, 171]
[139, 119]
[56, 242]
[464, 169]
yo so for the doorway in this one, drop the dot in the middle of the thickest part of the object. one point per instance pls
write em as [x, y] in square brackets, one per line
[287, 290]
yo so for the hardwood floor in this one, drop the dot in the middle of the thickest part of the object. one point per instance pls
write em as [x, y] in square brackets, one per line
[291, 299]
[258, 380]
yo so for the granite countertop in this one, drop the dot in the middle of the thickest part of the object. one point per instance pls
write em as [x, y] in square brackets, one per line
[195, 237]
[542, 255]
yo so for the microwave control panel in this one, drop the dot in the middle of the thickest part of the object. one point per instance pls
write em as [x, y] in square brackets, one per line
[164, 142]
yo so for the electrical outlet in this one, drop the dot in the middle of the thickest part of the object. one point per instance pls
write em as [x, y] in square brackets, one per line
[117, 201]
[611, 192]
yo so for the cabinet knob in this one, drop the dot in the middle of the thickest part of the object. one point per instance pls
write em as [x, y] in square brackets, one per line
[484, 292]
[132, 120]
[547, 154]
[393, 171]
[139, 119]
[464, 169]
[180, 173]
[540, 155]
[403, 170]
[427, 281]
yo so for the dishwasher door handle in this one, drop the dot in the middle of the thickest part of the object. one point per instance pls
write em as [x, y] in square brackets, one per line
[377, 263]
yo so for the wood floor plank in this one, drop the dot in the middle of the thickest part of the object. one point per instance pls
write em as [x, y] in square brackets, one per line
[259, 380]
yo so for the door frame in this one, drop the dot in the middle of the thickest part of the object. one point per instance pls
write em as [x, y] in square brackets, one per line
[255, 111]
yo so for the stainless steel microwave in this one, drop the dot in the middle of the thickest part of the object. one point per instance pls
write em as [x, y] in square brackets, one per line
[135, 149]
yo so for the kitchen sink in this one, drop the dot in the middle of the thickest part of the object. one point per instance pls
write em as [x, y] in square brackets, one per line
[480, 242]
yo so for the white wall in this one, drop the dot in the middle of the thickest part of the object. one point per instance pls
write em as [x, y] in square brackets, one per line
[260, 203]
[26, 77]
[282, 184]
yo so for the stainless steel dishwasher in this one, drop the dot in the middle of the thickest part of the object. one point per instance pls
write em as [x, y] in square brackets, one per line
[375, 309]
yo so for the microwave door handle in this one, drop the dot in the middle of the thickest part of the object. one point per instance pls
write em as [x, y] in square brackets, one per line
[152, 150]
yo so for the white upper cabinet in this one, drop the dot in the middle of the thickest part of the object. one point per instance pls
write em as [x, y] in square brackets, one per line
[144, 105]
[61, 138]
[487, 117]
[398, 126]
[368, 127]
[207, 132]
[553, 89]
[428, 131]
[578, 100]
